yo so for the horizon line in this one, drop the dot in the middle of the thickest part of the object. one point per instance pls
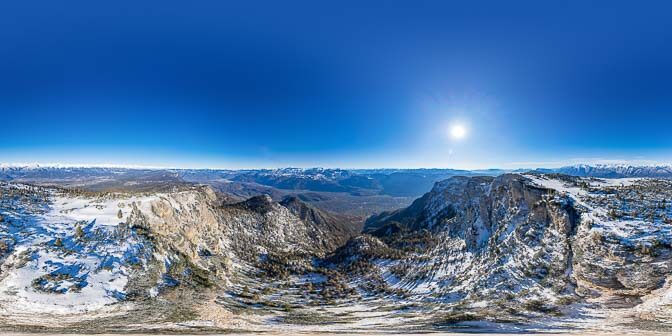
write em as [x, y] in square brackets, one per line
[531, 166]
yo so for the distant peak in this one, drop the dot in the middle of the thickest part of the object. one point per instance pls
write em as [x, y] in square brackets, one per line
[260, 203]
[37, 165]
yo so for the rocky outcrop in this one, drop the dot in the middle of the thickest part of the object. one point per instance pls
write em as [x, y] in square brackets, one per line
[527, 239]
[485, 237]
[215, 236]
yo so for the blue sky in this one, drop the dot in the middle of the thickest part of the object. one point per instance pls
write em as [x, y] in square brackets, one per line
[347, 84]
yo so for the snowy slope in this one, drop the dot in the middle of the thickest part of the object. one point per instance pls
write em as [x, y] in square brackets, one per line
[532, 249]
[509, 253]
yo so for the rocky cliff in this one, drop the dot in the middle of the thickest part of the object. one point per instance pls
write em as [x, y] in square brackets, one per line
[514, 252]
[520, 247]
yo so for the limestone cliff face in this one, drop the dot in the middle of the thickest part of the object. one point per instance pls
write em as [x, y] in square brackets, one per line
[187, 220]
[614, 260]
[474, 208]
[521, 238]
[513, 238]
[219, 238]
[535, 238]
[605, 263]
[485, 237]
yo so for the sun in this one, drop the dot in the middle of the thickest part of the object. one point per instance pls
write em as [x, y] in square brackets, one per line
[458, 131]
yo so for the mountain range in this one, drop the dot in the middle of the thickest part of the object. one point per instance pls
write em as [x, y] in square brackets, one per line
[147, 250]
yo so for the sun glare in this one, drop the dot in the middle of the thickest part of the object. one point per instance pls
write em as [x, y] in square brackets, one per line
[458, 131]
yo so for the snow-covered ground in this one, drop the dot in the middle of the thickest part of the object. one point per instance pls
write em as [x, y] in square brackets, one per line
[69, 255]
[633, 216]
[622, 211]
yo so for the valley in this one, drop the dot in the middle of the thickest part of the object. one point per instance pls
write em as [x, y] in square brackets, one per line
[509, 252]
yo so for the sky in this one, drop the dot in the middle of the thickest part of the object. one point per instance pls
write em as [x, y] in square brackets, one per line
[351, 84]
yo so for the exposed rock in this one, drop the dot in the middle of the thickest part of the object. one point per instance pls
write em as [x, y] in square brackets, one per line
[515, 251]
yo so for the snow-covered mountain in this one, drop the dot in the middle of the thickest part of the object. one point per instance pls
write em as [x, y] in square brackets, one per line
[389, 182]
[615, 171]
[72, 256]
[516, 252]
[525, 249]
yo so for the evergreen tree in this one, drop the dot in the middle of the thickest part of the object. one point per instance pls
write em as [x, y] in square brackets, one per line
[79, 233]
